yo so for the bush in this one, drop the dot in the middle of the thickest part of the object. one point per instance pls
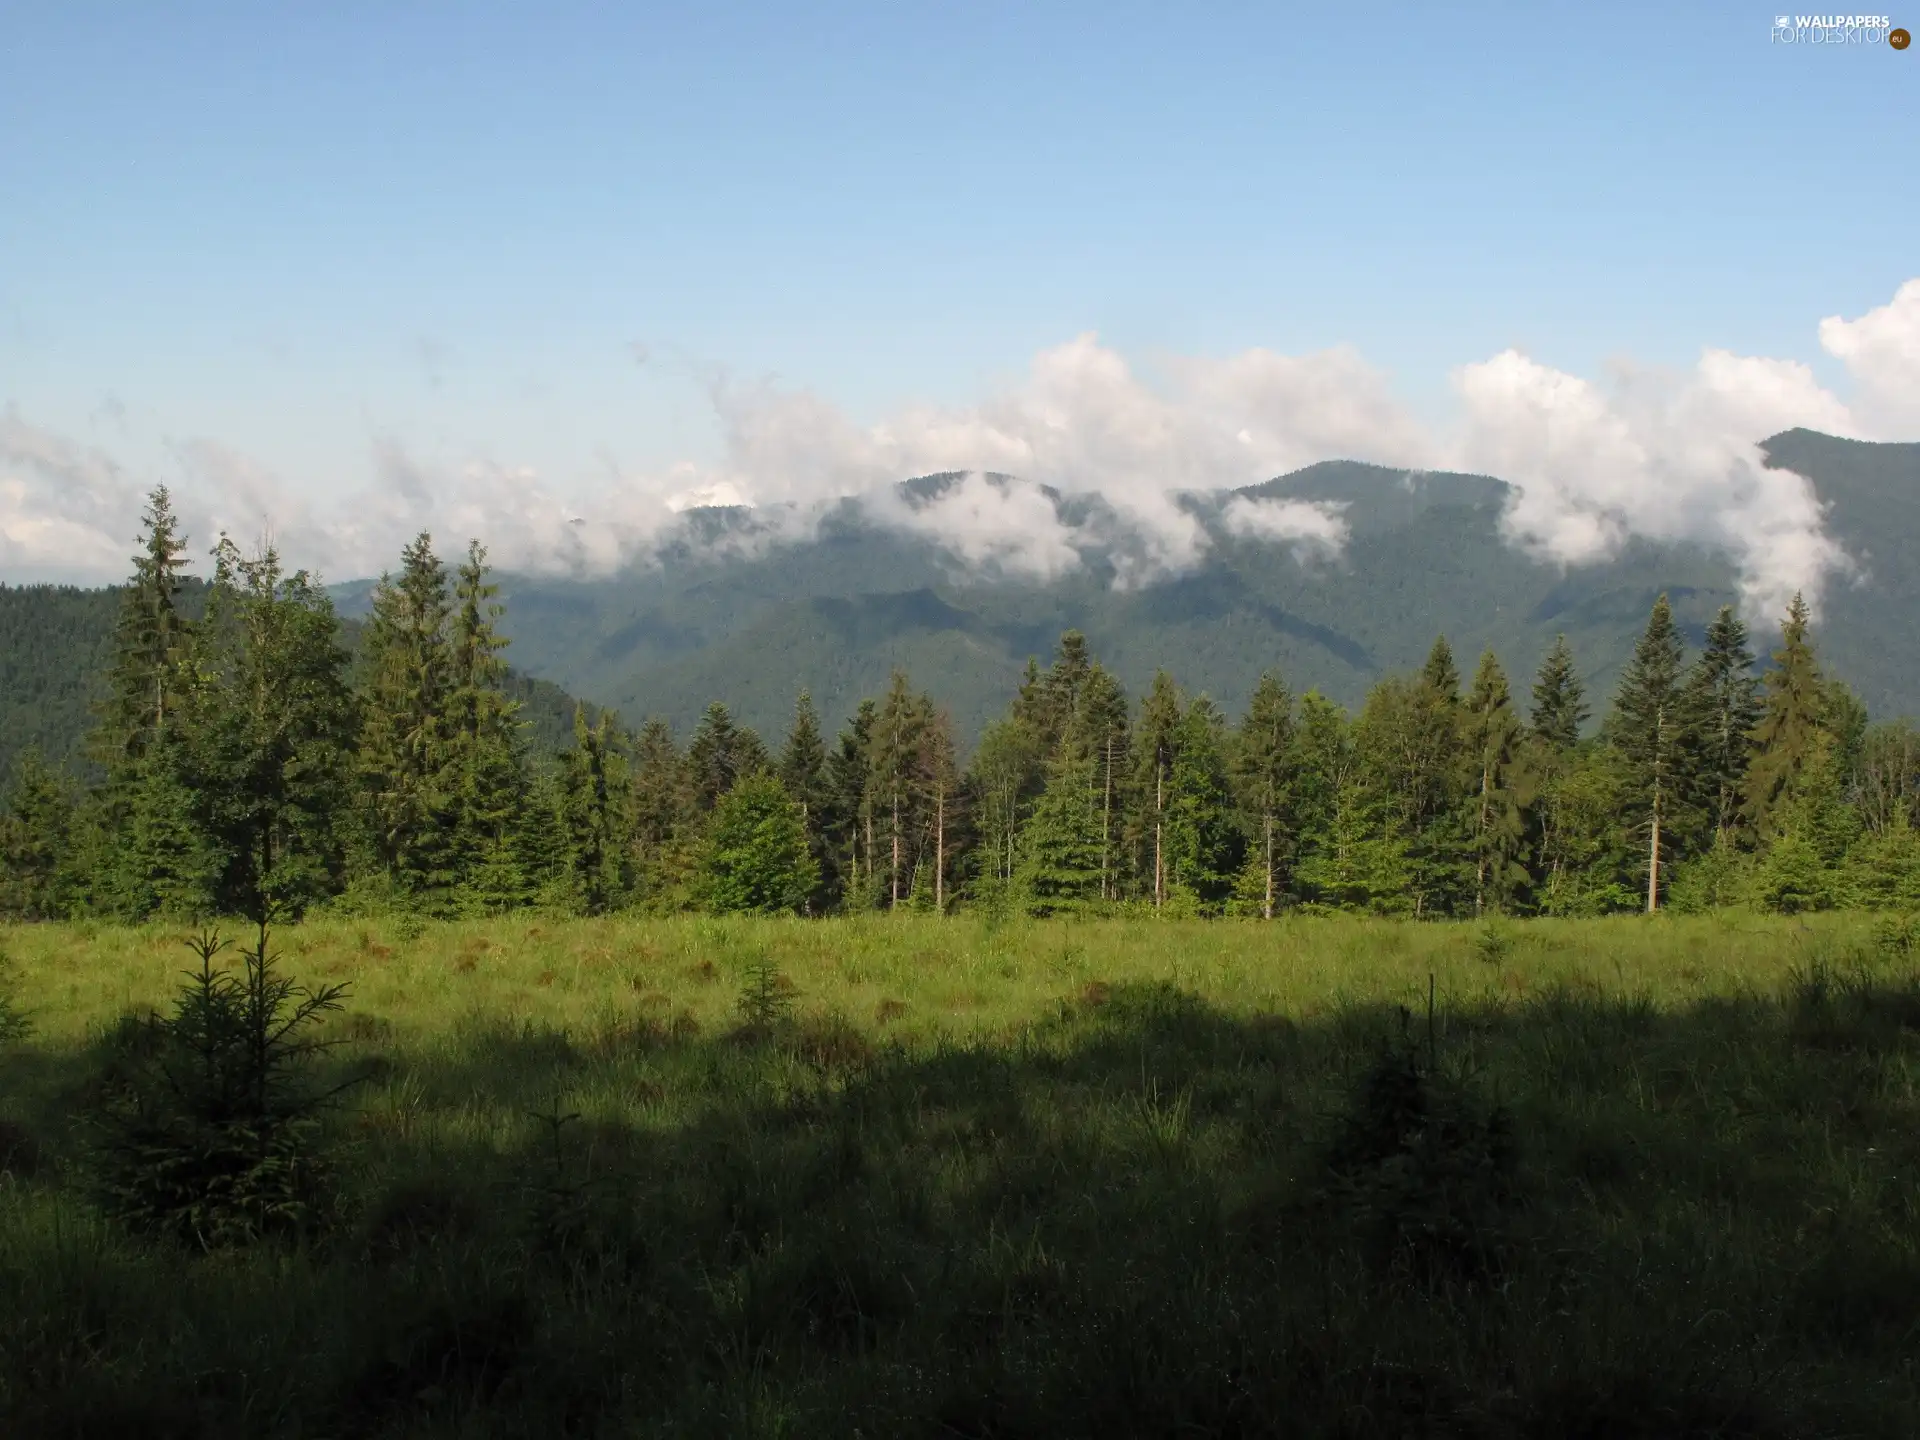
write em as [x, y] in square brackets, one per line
[1424, 1169]
[209, 1131]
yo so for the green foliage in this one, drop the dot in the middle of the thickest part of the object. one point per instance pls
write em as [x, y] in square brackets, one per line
[1201, 843]
[766, 998]
[274, 727]
[209, 1130]
[1649, 731]
[595, 818]
[1722, 709]
[1559, 699]
[1425, 1170]
[37, 843]
[756, 858]
[1061, 869]
[14, 1022]
[1791, 738]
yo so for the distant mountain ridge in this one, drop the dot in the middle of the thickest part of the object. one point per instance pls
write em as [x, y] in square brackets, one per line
[727, 611]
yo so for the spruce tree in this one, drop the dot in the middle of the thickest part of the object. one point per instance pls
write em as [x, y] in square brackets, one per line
[486, 768]
[1559, 699]
[1440, 674]
[1156, 747]
[755, 858]
[1648, 731]
[848, 768]
[1059, 691]
[1500, 786]
[36, 842]
[275, 727]
[594, 806]
[1412, 755]
[1358, 861]
[146, 677]
[998, 783]
[1324, 762]
[1100, 727]
[666, 817]
[1722, 709]
[407, 782]
[894, 759]
[1791, 738]
[803, 771]
[721, 754]
[1200, 843]
[1061, 849]
[1264, 764]
[941, 796]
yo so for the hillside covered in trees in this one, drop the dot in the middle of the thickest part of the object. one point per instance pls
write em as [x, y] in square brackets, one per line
[246, 756]
[730, 608]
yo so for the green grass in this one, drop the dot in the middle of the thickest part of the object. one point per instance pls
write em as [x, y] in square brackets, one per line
[1036, 1179]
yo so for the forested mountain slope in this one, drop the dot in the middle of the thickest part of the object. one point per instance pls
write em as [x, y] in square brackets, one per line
[723, 616]
[837, 612]
[56, 642]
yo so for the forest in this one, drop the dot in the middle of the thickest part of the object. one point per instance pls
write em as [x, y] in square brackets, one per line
[246, 755]
[376, 1060]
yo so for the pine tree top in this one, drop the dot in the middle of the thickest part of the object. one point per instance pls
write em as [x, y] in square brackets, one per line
[1559, 699]
[1440, 674]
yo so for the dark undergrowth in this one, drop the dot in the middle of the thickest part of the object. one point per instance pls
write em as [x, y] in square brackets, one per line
[1577, 1217]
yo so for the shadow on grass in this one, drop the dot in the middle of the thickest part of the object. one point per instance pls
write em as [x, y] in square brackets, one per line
[1578, 1216]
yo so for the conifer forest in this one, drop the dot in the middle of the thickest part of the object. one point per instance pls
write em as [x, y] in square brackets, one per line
[245, 757]
[1498, 1059]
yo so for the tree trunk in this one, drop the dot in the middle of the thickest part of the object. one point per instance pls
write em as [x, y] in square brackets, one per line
[1106, 821]
[1159, 804]
[1268, 911]
[1480, 869]
[940, 851]
[1653, 854]
[894, 877]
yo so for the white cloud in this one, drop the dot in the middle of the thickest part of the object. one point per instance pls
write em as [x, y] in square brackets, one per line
[1101, 458]
[67, 513]
[1311, 527]
[1882, 352]
[1662, 457]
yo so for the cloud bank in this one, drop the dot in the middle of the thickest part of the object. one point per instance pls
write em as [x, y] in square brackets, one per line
[1082, 455]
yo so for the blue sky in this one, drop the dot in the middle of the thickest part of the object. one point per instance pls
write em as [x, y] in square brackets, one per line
[302, 232]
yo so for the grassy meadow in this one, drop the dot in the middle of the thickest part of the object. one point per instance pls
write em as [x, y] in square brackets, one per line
[1318, 1177]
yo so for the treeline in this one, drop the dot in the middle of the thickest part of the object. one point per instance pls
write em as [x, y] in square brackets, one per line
[250, 762]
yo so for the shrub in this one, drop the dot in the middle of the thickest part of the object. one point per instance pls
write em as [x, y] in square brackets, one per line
[209, 1129]
[766, 998]
[1424, 1168]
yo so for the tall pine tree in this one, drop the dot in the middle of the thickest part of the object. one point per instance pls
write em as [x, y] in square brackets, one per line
[1500, 789]
[1790, 739]
[1264, 764]
[407, 783]
[1648, 731]
[1722, 709]
[1559, 699]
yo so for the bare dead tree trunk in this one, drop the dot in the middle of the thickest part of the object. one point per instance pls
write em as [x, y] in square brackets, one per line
[1653, 854]
[1159, 809]
[1267, 912]
[1106, 821]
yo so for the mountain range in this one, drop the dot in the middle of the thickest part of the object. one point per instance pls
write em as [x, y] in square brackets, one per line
[728, 610]
[742, 605]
